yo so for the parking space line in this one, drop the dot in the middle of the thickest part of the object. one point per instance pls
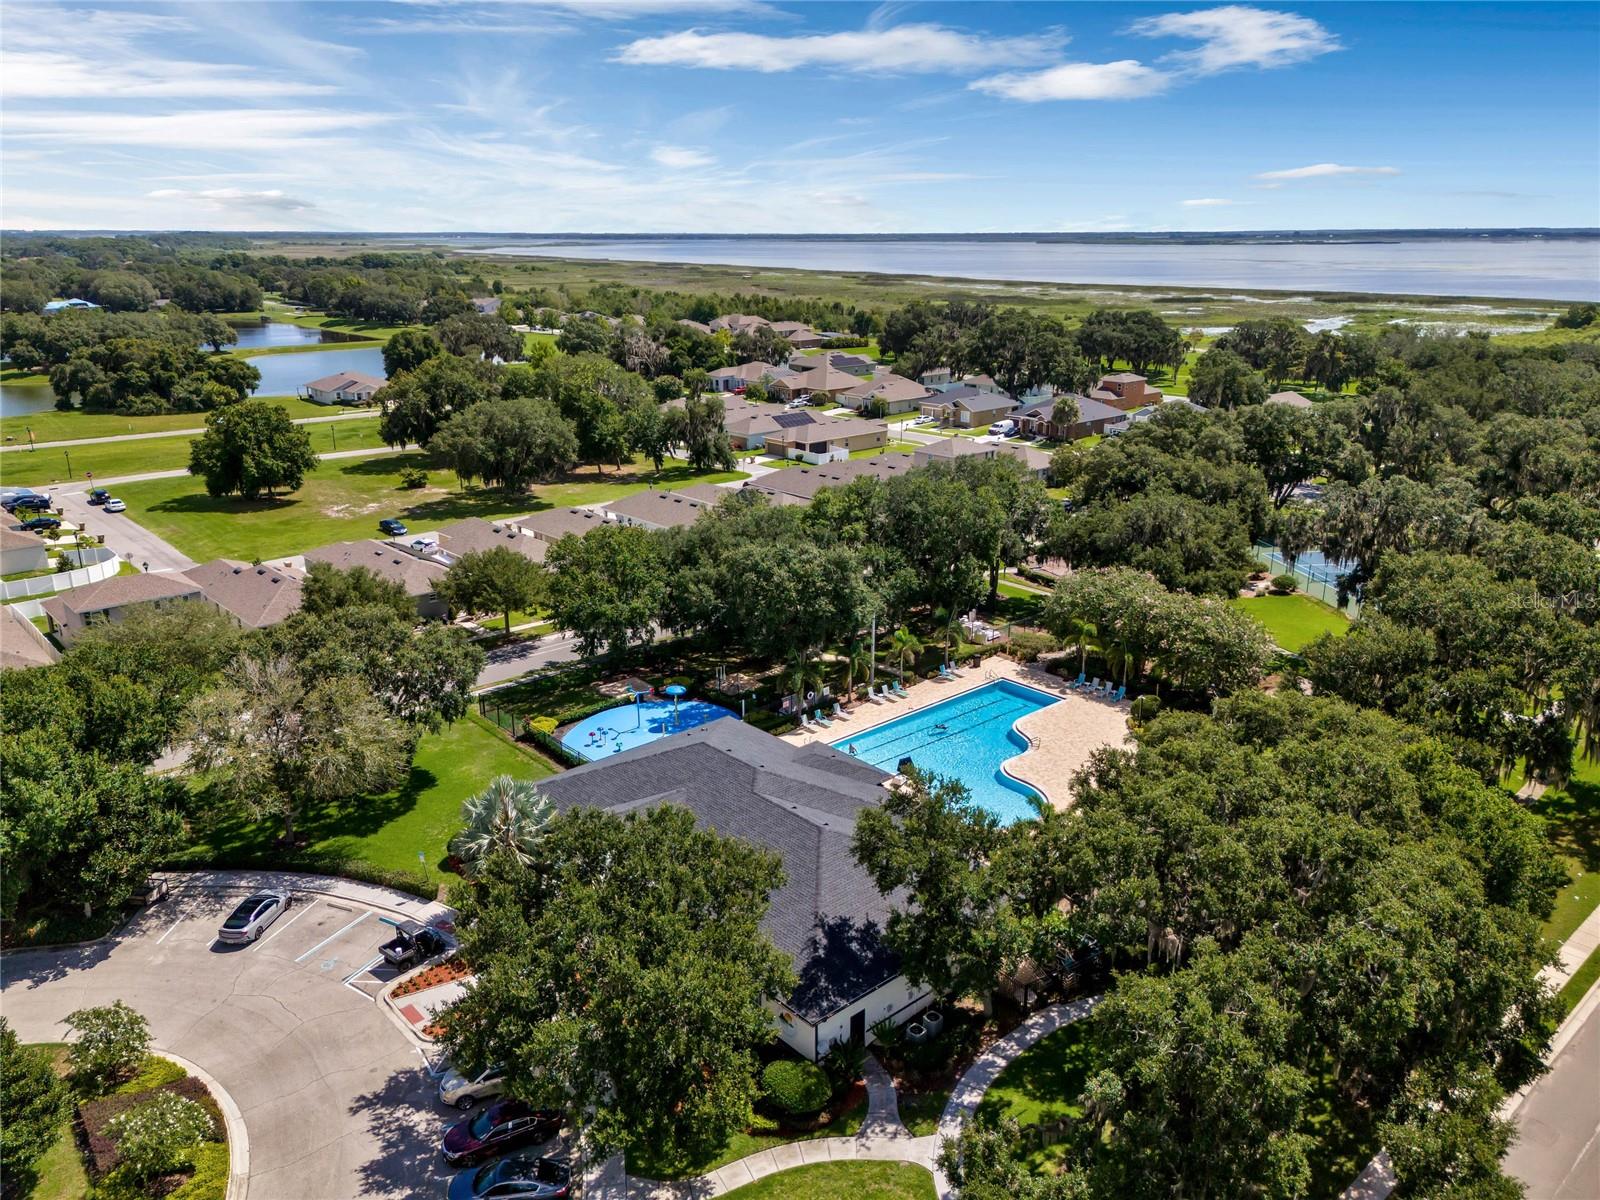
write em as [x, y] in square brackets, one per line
[331, 936]
[358, 972]
[181, 919]
[287, 923]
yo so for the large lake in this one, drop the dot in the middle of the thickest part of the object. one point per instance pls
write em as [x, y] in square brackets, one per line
[286, 374]
[1533, 269]
[265, 334]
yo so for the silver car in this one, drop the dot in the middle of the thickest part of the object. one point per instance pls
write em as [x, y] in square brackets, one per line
[463, 1090]
[250, 919]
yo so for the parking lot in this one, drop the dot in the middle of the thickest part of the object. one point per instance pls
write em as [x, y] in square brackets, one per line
[337, 1100]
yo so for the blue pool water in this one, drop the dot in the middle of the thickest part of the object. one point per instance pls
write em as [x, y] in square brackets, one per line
[629, 725]
[966, 737]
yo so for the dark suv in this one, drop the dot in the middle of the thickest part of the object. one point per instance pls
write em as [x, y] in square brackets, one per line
[33, 501]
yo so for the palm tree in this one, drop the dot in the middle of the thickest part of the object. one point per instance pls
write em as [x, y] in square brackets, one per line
[903, 645]
[949, 623]
[857, 664]
[803, 672]
[509, 815]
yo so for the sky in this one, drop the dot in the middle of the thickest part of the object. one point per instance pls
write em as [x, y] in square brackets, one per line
[753, 116]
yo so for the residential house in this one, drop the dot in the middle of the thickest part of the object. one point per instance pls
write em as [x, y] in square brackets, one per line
[657, 510]
[21, 644]
[950, 449]
[1125, 390]
[968, 407]
[473, 535]
[800, 802]
[73, 611]
[21, 552]
[1292, 399]
[699, 327]
[56, 306]
[799, 485]
[488, 306]
[1039, 419]
[553, 524]
[749, 427]
[348, 387]
[737, 323]
[885, 395]
[416, 575]
[798, 334]
[254, 596]
[706, 493]
[936, 377]
[824, 382]
[850, 364]
[828, 439]
[733, 379]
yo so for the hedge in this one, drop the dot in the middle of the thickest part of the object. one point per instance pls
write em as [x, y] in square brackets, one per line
[95, 1115]
[796, 1087]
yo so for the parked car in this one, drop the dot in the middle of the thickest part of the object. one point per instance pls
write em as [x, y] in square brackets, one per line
[99, 496]
[413, 942]
[114, 505]
[40, 524]
[504, 1125]
[463, 1089]
[152, 890]
[250, 918]
[519, 1177]
[1003, 428]
[33, 501]
[392, 527]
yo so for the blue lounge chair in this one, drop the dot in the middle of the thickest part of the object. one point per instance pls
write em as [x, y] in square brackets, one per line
[945, 672]
[821, 720]
[898, 690]
[1078, 682]
[1119, 694]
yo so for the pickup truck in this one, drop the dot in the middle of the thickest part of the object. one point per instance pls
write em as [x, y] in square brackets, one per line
[413, 943]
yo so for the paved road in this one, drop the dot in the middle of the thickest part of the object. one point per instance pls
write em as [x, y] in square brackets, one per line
[518, 658]
[167, 433]
[335, 1096]
[127, 537]
[1557, 1152]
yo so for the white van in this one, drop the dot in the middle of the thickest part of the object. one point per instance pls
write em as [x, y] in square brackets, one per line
[1003, 428]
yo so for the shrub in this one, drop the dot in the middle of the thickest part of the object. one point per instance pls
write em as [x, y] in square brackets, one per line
[154, 1072]
[795, 1087]
[413, 478]
[1027, 646]
[1284, 583]
[33, 1102]
[151, 1138]
[1144, 709]
[96, 1116]
[112, 1041]
[843, 1063]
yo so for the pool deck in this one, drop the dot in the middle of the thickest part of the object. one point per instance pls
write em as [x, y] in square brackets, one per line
[1061, 736]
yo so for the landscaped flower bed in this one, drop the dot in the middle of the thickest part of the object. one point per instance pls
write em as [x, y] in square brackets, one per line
[95, 1115]
[446, 972]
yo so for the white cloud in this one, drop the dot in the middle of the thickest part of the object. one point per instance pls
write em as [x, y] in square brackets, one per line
[1210, 202]
[1325, 171]
[1124, 80]
[899, 49]
[1236, 35]
[681, 158]
[236, 199]
[239, 129]
[52, 75]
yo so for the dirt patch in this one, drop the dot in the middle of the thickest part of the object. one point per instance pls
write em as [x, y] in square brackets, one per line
[340, 511]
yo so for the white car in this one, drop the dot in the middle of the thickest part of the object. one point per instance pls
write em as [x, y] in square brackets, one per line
[114, 505]
[460, 1090]
[249, 920]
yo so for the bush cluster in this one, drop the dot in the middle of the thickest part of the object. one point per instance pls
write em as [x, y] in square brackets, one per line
[795, 1087]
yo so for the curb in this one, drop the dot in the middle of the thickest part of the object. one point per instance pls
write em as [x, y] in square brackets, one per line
[232, 1118]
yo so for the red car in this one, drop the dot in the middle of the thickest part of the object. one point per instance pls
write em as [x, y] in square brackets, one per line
[502, 1126]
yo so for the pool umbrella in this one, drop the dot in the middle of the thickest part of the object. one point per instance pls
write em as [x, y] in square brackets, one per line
[675, 690]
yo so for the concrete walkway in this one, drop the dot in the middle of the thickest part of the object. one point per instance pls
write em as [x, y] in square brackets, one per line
[112, 481]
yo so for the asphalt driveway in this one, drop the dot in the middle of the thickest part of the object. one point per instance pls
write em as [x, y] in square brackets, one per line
[336, 1099]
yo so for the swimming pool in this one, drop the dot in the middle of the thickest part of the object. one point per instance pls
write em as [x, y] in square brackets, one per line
[966, 737]
[628, 725]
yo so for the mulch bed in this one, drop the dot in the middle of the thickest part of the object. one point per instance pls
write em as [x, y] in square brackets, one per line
[95, 1115]
[445, 972]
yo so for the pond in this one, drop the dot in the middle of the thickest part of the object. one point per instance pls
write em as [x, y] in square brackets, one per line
[286, 374]
[264, 334]
[19, 398]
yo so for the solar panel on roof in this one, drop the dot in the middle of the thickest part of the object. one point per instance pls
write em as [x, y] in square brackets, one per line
[792, 420]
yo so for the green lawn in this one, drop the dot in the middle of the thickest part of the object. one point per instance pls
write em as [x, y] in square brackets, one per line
[52, 425]
[1578, 986]
[889, 448]
[108, 460]
[1294, 620]
[920, 1111]
[60, 1172]
[860, 1180]
[307, 348]
[389, 831]
[1042, 1084]
[1572, 820]
[763, 1137]
[318, 320]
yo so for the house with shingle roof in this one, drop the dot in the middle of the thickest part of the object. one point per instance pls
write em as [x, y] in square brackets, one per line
[737, 323]
[22, 551]
[254, 596]
[799, 485]
[825, 439]
[731, 379]
[1040, 419]
[1125, 390]
[553, 524]
[71, 612]
[885, 395]
[473, 535]
[825, 380]
[21, 644]
[347, 387]
[657, 510]
[798, 334]
[801, 803]
[967, 406]
[418, 576]
[1292, 399]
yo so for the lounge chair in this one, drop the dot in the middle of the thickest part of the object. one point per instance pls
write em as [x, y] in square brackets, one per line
[839, 714]
[898, 690]
[1078, 682]
[1117, 696]
[872, 695]
[821, 720]
[1105, 691]
[945, 672]
[1095, 686]
[806, 722]
[888, 694]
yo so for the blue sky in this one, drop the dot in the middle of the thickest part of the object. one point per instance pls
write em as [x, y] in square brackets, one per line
[738, 116]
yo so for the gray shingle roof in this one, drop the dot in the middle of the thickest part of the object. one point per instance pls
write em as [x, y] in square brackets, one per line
[800, 801]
